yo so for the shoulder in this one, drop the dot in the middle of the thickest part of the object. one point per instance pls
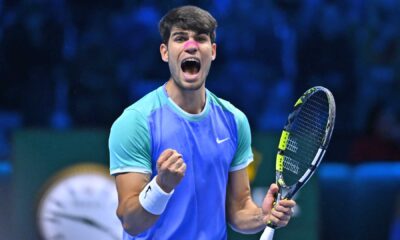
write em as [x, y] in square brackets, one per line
[227, 106]
[137, 114]
[147, 104]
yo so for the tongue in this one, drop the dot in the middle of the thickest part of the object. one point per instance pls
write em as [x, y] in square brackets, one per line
[191, 70]
[190, 73]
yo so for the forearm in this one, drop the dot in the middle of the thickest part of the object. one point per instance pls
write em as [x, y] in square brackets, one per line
[247, 218]
[138, 212]
[139, 204]
[134, 218]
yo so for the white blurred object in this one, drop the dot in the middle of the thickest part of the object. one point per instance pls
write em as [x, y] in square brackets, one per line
[268, 234]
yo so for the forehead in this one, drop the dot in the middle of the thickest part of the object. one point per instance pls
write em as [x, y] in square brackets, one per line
[180, 31]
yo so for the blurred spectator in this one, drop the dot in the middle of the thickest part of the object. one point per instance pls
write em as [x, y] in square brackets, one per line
[381, 140]
[377, 57]
[31, 49]
[395, 227]
[68, 63]
[326, 58]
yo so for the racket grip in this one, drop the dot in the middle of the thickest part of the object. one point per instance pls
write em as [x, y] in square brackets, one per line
[268, 234]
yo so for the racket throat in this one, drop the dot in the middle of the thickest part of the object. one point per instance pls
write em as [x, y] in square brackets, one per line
[284, 193]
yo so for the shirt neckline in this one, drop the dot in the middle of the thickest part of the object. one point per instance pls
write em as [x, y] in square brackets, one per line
[183, 113]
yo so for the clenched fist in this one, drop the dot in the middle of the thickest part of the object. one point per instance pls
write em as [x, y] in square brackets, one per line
[171, 169]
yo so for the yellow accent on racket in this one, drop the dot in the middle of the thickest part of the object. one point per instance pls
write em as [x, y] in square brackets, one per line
[281, 182]
[283, 141]
[299, 101]
[279, 162]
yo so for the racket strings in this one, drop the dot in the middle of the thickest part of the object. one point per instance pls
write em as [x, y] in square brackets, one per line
[294, 166]
[311, 125]
[306, 136]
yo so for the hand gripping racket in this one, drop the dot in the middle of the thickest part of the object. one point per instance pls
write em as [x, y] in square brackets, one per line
[303, 143]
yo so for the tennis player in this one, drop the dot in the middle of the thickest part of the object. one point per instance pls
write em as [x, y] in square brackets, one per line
[179, 154]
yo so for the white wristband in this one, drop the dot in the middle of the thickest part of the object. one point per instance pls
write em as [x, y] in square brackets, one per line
[153, 199]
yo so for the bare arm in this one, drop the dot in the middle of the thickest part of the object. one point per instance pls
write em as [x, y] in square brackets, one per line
[244, 215]
[134, 218]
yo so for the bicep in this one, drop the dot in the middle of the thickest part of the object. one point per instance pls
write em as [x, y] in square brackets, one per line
[238, 193]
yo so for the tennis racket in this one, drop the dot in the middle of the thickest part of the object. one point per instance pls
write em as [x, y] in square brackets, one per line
[303, 143]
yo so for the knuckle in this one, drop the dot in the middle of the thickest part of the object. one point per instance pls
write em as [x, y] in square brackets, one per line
[161, 168]
[174, 152]
[166, 152]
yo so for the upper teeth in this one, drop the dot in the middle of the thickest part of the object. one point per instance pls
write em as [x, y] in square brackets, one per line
[191, 59]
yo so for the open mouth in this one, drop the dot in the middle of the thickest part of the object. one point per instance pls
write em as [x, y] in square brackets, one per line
[191, 65]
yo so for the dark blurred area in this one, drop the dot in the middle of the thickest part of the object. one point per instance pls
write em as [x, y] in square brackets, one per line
[74, 64]
[77, 64]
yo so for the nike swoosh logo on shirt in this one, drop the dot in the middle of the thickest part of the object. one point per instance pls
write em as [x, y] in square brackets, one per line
[222, 140]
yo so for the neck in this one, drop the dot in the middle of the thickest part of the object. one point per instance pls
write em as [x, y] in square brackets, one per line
[191, 101]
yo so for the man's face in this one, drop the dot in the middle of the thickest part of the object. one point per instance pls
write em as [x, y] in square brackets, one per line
[189, 56]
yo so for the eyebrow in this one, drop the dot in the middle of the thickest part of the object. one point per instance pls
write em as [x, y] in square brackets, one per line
[179, 33]
[186, 33]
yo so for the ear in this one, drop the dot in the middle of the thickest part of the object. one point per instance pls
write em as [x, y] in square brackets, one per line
[214, 51]
[164, 52]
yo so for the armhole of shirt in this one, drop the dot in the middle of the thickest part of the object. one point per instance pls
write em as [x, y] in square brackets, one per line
[244, 155]
[129, 144]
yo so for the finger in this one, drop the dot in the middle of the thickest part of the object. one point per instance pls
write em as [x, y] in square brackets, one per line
[167, 152]
[274, 187]
[288, 212]
[182, 169]
[270, 198]
[277, 222]
[178, 164]
[272, 220]
[281, 216]
[287, 203]
[280, 224]
[278, 207]
[164, 156]
[168, 159]
[172, 160]
[276, 213]
[179, 167]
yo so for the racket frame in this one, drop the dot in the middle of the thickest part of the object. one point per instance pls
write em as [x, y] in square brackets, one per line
[288, 192]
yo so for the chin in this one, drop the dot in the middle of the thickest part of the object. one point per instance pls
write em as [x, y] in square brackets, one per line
[190, 85]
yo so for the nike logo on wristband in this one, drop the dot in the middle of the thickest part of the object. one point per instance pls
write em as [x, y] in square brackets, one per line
[219, 141]
[148, 189]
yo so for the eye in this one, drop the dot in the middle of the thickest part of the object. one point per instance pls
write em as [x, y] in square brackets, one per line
[180, 39]
[202, 38]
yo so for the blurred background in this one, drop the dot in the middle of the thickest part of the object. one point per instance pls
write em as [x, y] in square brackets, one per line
[69, 68]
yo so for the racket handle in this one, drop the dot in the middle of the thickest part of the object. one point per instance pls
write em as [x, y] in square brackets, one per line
[268, 234]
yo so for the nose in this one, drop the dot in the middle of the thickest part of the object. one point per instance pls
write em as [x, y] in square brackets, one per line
[191, 46]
